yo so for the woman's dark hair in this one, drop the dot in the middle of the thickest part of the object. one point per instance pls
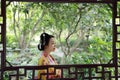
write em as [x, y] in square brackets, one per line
[44, 40]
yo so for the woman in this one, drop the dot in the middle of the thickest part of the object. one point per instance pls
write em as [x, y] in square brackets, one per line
[47, 45]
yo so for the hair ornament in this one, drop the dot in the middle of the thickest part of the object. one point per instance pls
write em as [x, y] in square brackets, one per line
[40, 44]
[43, 39]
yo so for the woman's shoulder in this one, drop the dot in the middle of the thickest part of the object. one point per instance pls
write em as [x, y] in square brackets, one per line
[41, 56]
[41, 59]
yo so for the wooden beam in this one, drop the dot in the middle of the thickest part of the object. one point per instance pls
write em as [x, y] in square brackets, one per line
[67, 1]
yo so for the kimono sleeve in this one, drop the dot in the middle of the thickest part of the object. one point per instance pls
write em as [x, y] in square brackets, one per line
[41, 62]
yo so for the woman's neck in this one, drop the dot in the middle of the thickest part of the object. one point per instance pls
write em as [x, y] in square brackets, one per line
[46, 52]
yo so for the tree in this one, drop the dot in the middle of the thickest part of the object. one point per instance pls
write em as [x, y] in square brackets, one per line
[26, 19]
[73, 23]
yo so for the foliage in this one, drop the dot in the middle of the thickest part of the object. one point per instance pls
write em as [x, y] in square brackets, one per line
[83, 31]
[24, 27]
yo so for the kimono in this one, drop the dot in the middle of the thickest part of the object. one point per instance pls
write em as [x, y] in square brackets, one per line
[47, 60]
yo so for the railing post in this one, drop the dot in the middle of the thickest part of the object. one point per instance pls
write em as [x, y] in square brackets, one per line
[3, 36]
[115, 38]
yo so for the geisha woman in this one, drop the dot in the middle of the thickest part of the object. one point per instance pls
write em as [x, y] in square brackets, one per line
[47, 45]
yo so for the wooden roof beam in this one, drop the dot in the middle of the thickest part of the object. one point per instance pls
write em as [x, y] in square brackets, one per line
[67, 1]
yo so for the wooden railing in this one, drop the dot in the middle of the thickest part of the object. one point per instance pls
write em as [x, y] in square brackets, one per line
[68, 72]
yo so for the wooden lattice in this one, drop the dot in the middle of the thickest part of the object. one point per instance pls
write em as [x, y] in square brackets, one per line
[108, 71]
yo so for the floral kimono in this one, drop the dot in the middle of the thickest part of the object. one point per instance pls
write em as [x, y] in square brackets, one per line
[47, 60]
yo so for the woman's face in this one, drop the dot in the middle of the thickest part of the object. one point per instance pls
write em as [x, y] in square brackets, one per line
[51, 44]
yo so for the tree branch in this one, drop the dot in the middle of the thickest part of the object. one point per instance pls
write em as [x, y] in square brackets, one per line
[35, 25]
[72, 33]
